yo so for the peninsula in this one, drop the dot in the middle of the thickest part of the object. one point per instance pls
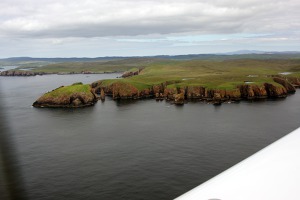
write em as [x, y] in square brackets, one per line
[178, 81]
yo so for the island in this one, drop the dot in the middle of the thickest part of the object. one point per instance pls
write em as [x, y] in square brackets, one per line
[180, 81]
[73, 96]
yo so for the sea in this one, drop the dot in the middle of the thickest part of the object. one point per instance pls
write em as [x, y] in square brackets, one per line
[133, 149]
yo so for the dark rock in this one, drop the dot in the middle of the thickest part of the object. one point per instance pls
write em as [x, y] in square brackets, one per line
[288, 86]
[102, 95]
[275, 91]
[179, 99]
[62, 98]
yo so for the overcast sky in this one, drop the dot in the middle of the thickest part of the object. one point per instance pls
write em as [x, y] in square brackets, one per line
[92, 28]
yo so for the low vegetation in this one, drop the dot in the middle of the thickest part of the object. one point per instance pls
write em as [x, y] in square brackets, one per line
[178, 80]
[76, 95]
[212, 74]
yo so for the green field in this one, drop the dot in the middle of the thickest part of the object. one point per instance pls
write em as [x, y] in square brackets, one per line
[171, 79]
[68, 90]
[209, 71]
[225, 74]
[96, 66]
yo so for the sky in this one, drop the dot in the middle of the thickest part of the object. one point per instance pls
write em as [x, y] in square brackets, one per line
[94, 28]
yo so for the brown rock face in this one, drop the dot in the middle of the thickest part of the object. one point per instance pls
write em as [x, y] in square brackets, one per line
[76, 103]
[275, 91]
[253, 91]
[195, 92]
[102, 95]
[217, 99]
[133, 73]
[145, 93]
[122, 90]
[159, 96]
[234, 94]
[288, 86]
[73, 100]
[179, 99]
[160, 88]
[169, 93]
[294, 81]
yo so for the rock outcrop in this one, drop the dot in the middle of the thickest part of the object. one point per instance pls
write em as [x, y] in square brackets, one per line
[288, 86]
[179, 98]
[275, 91]
[73, 96]
[294, 81]
[131, 73]
[250, 91]
[179, 94]
[20, 73]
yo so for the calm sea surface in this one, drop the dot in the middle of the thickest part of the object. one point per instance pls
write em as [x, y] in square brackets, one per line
[135, 150]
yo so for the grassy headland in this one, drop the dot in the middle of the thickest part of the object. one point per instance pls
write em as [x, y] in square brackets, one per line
[181, 79]
[212, 74]
[76, 95]
[206, 79]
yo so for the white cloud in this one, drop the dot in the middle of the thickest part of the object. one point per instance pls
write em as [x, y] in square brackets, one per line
[156, 24]
[94, 18]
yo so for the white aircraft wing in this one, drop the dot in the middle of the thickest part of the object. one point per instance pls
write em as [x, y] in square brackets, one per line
[270, 174]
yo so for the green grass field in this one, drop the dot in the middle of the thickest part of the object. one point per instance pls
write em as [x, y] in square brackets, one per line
[68, 90]
[215, 74]
[96, 66]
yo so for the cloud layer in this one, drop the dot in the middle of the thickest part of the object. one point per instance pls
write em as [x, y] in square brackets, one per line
[48, 18]
[59, 20]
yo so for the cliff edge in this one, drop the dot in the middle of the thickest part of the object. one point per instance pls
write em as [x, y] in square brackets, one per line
[73, 96]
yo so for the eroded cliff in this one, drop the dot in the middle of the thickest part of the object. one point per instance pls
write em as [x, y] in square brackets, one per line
[73, 96]
[178, 94]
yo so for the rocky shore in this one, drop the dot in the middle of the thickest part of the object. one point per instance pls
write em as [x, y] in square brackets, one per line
[131, 73]
[21, 73]
[31, 73]
[179, 95]
[79, 95]
[73, 96]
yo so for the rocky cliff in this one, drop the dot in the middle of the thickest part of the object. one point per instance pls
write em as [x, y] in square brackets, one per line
[76, 95]
[131, 73]
[178, 94]
[286, 84]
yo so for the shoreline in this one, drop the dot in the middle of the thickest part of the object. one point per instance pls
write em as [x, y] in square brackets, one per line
[180, 94]
[31, 73]
[74, 96]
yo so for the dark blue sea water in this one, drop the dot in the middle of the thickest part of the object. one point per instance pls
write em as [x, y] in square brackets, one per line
[135, 150]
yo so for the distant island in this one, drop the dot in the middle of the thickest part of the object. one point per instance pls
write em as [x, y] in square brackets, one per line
[181, 80]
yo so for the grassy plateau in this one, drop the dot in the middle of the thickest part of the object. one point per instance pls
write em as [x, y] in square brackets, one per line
[196, 76]
[226, 74]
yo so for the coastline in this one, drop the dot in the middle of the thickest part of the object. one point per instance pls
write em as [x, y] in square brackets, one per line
[180, 95]
[31, 73]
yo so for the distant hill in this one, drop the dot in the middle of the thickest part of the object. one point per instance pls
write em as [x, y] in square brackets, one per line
[244, 52]
[241, 54]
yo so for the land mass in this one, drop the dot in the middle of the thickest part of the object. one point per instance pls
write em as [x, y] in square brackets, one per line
[27, 66]
[215, 81]
[73, 96]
